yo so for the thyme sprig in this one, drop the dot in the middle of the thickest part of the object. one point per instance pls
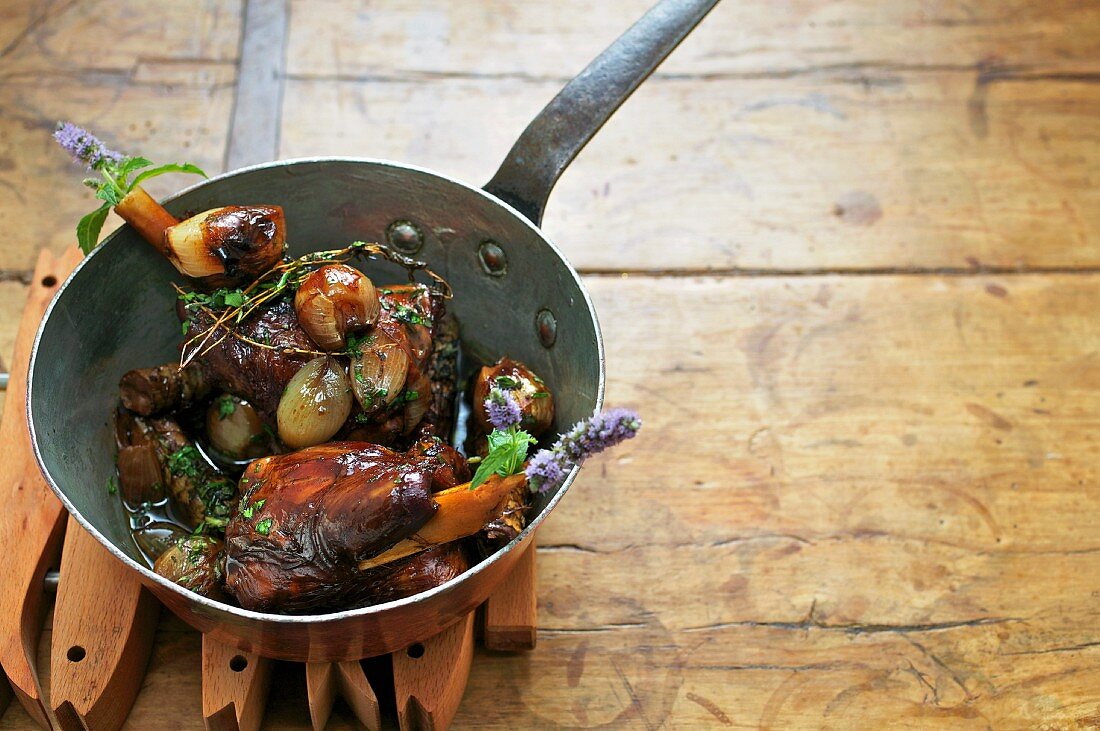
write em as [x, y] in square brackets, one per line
[118, 176]
[281, 279]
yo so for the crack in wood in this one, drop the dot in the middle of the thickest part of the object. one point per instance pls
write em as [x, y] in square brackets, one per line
[749, 272]
[855, 628]
[256, 119]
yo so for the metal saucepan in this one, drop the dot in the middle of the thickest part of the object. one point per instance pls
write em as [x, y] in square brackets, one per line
[515, 294]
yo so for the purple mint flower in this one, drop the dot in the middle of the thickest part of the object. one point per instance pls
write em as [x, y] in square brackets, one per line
[85, 147]
[502, 409]
[547, 469]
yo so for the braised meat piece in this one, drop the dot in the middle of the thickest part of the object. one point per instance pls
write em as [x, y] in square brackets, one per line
[196, 563]
[254, 373]
[155, 453]
[425, 570]
[149, 391]
[307, 519]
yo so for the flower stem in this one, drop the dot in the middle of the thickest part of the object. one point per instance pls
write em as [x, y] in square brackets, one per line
[150, 218]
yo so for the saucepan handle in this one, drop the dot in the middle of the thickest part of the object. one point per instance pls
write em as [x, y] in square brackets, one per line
[569, 121]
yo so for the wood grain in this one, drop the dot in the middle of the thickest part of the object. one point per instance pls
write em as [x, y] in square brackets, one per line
[101, 639]
[235, 686]
[509, 616]
[30, 543]
[864, 495]
[502, 38]
[163, 87]
[327, 680]
[429, 678]
[893, 525]
[804, 136]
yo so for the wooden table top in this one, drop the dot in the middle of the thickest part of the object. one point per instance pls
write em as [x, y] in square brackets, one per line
[846, 254]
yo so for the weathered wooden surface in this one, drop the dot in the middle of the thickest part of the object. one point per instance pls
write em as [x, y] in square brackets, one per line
[865, 494]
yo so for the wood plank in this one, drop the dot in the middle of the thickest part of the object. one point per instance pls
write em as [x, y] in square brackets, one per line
[101, 640]
[893, 520]
[254, 130]
[499, 37]
[846, 170]
[162, 87]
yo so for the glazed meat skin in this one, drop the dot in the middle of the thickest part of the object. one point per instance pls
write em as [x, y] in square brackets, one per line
[256, 374]
[412, 575]
[306, 519]
[259, 375]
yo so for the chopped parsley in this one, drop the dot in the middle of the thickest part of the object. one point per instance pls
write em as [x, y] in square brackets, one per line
[356, 343]
[264, 526]
[361, 418]
[112, 485]
[219, 299]
[226, 406]
[249, 510]
[184, 462]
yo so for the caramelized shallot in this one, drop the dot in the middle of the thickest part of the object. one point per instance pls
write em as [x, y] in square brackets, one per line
[235, 429]
[227, 246]
[378, 372]
[529, 391]
[316, 403]
[335, 301]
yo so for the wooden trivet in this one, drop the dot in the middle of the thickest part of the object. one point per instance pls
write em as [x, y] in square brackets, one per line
[104, 621]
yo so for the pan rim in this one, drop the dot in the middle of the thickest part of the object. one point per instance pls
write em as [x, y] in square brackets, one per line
[149, 576]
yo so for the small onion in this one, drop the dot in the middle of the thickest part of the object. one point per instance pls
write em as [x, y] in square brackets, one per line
[535, 401]
[229, 245]
[378, 372]
[139, 473]
[316, 403]
[418, 396]
[333, 301]
[158, 537]
[235, 429]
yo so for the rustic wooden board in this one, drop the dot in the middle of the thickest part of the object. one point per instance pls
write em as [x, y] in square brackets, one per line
[807, 135]
[858, 500]
[500, 37]
[832, 171]
[895, 521]
[163, 86]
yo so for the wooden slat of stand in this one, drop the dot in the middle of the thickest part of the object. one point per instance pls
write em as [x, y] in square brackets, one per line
[326, 680]
[235, 685]
[429, 678]
[30, 544]
[510, 613]
[103, 628]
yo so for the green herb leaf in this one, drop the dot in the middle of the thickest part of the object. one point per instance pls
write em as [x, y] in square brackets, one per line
[226, 406]
[507, 450]
[184, 167]
[507, 382]
[88, 228]
[264, 526]
[541, 394]
[112, 485]
[130, 165]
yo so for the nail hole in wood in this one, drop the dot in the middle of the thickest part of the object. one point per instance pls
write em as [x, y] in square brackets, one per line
[415, 651]
[76, 653]
[49, 280]
[237, 663]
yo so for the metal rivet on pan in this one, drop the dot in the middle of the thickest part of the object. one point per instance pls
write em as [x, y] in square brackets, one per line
[493, 259]
[547, 326]
[405, 237]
